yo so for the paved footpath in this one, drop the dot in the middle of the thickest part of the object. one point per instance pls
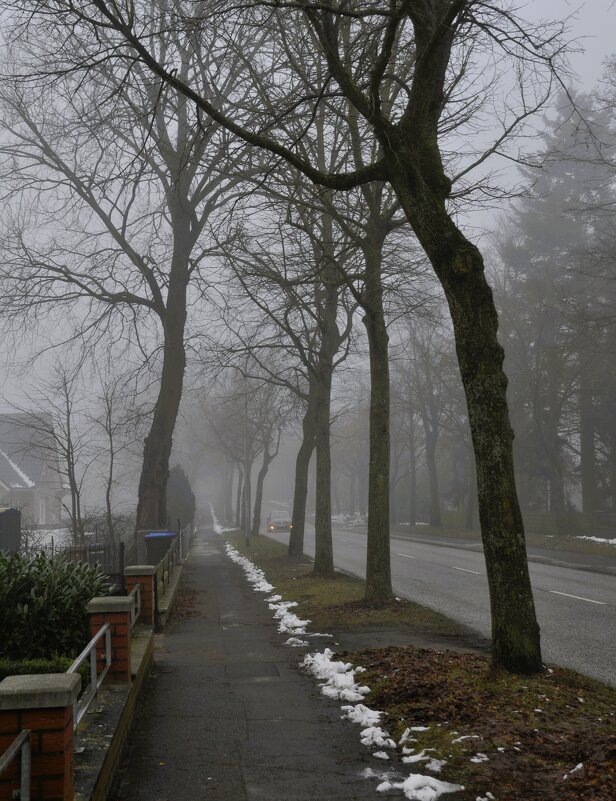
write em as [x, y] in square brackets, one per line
[228, 715]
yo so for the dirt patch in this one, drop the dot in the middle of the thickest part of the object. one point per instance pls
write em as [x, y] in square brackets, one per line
[526, 736]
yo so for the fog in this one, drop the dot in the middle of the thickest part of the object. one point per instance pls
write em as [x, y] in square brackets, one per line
[228, 308]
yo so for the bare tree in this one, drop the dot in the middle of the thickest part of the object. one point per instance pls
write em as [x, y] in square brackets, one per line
[359, 47]
[137, 181]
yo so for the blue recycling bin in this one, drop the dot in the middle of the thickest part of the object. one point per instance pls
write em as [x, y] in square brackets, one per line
[157, 543]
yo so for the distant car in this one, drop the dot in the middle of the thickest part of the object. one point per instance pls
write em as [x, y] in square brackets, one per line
[279, 523]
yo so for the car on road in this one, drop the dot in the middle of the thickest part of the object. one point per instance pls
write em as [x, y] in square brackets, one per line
[279, 522]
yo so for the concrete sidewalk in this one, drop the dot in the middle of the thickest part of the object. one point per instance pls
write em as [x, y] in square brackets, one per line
[229, 717]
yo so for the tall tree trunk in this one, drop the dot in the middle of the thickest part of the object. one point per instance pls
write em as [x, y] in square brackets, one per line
[228, 506]
[323, 546]
[268, 458]
[378, 566]
[412, 470]
[435, 501]
[152, 505]
[239, 494]
[302, 466]
[352, 482]
[422, 189]
[588, 457]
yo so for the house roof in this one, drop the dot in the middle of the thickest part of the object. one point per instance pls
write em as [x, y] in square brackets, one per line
[11, 476]
[26, 448]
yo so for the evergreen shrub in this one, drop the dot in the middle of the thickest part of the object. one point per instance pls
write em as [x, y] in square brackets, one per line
[43, 602]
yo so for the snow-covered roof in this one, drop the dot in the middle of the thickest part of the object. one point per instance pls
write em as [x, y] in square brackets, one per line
[11, 475]
[26, 449]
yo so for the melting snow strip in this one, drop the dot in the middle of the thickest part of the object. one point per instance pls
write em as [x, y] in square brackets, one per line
[338, 681]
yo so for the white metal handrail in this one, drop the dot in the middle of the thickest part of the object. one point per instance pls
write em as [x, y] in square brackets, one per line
[135, 612]
[20, 743]
[96, 679]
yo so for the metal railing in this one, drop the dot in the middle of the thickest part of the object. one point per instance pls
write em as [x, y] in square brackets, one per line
[96, 679]
[135, 612]
[20, 743]
[166, 566]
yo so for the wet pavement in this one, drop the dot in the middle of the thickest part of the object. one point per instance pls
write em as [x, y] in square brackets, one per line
[228, 716]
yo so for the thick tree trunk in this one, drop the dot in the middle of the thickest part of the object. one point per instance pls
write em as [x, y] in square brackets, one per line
[302, 466]
[378, 567]
[323, 546]
[152, 504]
[422, 188]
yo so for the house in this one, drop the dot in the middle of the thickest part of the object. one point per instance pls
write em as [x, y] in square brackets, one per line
[31, 478]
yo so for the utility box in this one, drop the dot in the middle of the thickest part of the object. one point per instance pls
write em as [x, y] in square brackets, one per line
[157, 543]
[10, 530]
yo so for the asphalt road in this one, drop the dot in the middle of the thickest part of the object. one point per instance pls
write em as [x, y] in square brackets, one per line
[576, 603]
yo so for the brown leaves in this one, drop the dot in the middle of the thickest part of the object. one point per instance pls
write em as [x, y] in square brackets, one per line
[534, 730]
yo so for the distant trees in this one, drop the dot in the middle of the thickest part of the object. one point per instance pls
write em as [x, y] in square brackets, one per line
[181, 504]
[558, 298]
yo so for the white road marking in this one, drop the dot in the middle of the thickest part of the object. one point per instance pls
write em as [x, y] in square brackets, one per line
[406, 556]
[578, 597]
[464, 570]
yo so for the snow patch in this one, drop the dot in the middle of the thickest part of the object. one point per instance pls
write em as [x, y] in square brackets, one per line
[295, 642]
[602, 540]
[579, 768]
[421, 788]
[361, 715]
[338, 678]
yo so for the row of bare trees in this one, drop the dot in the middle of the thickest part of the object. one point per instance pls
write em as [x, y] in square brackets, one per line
[151, 150]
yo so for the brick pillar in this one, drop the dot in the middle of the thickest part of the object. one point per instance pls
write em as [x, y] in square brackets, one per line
[146, 576]
[43, 704]
[114, 610]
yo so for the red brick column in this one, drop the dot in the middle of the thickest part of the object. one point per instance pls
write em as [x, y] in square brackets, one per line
[114, 610]
[43, 704]
[146, 576]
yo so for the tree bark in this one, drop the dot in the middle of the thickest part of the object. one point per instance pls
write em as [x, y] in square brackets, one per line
[412, 471]
[268, 458]
[588, 457]
[323, 546]
[327, 303]
[239, 494]
[378, 566]
[422, 188]
[152, 503]
[302, 466]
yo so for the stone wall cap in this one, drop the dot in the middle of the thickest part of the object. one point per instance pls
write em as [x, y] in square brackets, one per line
[140, 570]
[111, 603]
[42, 691]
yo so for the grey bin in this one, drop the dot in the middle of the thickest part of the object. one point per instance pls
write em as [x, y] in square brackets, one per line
[157, 543]
[10, 530]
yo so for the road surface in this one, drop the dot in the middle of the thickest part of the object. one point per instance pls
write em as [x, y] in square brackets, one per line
[576, 604]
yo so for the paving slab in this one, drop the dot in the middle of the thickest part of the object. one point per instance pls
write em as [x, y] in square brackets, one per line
[228, 715]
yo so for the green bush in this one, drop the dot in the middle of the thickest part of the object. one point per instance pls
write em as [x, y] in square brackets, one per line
[43, 602]
[27, 667]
